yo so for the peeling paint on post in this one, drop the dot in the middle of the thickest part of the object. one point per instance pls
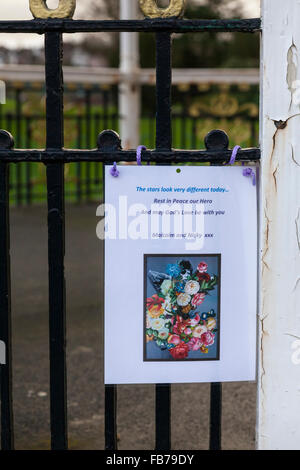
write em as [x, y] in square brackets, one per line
[279, 346]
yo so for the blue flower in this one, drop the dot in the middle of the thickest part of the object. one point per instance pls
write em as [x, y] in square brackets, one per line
[180, 286]
[173, 270]
[204, 316]
[192, 314]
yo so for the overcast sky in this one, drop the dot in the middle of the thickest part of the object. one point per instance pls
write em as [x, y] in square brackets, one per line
[19, 10]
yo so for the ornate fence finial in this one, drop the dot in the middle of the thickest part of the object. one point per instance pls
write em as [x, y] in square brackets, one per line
[65, 9]
[151, 10]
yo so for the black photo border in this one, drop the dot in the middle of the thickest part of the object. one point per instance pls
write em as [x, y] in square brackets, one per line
[178, 255]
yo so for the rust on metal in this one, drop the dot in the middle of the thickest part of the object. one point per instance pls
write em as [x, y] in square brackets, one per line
[65, 9]
[151, 10]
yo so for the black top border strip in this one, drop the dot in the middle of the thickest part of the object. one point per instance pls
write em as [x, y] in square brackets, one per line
[171, 25]
[169, 157]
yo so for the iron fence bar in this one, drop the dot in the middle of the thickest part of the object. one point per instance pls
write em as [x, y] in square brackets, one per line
[56, 241]
[79, 165]
[253, 131]
[7, 433]
[28, 165]
[88, 116]
[18, 143]
[194, 132]
[109, 141]
[156, 156]
[214, 140]
[147, 25]
[163, 92]
[111, 442]
[163, 142]
[98, 168]
[215, 416]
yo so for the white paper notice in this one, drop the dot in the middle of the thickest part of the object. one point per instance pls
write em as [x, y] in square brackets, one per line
[180, 274]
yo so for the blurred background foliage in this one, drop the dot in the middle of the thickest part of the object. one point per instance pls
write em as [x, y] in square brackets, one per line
[197, 109]
[189, 50]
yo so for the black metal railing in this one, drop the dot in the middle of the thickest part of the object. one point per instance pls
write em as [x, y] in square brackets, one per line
[108, 150]
[83, 180]
[90, 107]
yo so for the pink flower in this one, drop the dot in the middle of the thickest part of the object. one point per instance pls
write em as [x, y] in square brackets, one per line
[198, 299]
[174, 339]
[208, 338]
[195, 344]
[194, 321]
[187, 331]
[202, 267]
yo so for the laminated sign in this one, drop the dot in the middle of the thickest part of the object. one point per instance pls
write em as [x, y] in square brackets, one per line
[180, 274]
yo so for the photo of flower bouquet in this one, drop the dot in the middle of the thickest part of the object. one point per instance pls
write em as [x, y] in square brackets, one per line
[182, 314]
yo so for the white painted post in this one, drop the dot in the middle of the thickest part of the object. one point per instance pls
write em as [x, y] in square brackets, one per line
[129, 88]
[278, 424]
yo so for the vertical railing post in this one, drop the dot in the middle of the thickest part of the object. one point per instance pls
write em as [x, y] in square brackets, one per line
[109, 141]
[216, 140]
[279, 319]
[111, 417]
[163, 142]
[18, 111]
[56, 241]
[215, 429]
[7, 437]
[88, 120]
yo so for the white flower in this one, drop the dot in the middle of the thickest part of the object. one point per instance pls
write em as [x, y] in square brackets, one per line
[192, 287]
[163, 333]
[166, 286]
[167, 305]
[157, 323]
[211, 323]
[199, 330]
[183, 299]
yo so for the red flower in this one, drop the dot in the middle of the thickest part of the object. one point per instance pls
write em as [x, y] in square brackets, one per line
[181, 351]
[154, 301]
[180, 326]
[203, 277]
[198, 299]
[202, 267]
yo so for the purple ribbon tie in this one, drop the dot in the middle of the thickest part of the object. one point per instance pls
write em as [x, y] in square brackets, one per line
[139, 154]
[248, 172]
[114, 170]
[234, 154]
